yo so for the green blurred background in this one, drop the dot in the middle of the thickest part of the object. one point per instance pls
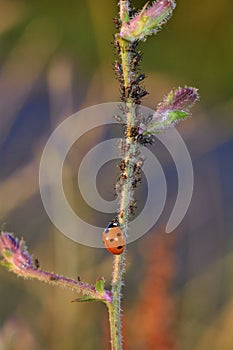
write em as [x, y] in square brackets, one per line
[56, 58]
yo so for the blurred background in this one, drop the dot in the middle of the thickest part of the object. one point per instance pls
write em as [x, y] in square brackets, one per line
[56, 58]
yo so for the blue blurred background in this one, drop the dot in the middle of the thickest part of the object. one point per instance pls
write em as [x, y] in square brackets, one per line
[56, 58]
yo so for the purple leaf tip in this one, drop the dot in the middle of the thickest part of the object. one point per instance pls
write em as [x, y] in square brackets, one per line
[15, 252]
[148, 21]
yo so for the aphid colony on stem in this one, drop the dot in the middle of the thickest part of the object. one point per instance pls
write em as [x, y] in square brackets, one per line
[139, 129]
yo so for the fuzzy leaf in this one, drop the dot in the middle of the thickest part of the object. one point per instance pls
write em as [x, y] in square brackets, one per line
[6, 264]
[176, 115]
[174, 108]
[169, 119]
[15, 252]
[178, 99]
[99, 286]
[85, 298]
[148, 21]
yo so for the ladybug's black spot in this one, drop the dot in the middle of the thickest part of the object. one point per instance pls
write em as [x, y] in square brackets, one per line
[118, 234]
[120, 247]
[111, 240]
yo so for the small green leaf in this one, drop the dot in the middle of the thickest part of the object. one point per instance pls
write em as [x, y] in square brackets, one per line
[84, 299]
[126, 17]
[165, 121]
[8, 253]
[99, 286]
[4, 263]
[177, 115]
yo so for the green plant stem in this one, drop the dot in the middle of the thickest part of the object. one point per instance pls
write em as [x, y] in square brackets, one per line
[126, 193]
[114, 307]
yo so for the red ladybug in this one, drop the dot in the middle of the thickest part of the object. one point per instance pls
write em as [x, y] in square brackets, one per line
[113, 238]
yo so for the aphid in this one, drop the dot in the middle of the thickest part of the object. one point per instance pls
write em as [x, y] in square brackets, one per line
[120, 119]
[123, 176]
[136, 59]
[113, 238]
[139, 79]
[145, 139]
[117, 45]
[132, 207]
[36, 263]
[132, 12]
[54, 278]
[118, 68]
[122, 165]
[137, 170]
[132, 47]
[136, 182]
[122, 92]
[117, 22]
[139, 92]
[134, 132]
[121, 214]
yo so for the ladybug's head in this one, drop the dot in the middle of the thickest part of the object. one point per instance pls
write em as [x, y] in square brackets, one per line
[111, 225]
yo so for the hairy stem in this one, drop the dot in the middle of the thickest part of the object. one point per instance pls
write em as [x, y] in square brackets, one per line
[126, 192]
[64, 282]
[58, 280]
